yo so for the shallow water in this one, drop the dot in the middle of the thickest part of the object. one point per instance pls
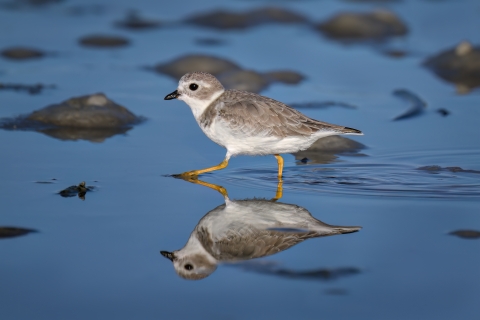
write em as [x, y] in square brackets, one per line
[99, 258]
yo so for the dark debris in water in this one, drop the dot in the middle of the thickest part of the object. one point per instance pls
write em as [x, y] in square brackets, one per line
[30, 88]
[417, 105]
[443, 112]
[51, 181]
[79, 190]
[322, 274]
[436, 169]
[104, 41]
[22, 53]
[134, 21]
[466, 234]
[11, 232]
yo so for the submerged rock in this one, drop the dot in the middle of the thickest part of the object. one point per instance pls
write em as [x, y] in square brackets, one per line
[22, 53]
[228, 20]
[229, 73]
[134, 21]
[466, 234]
[377, 25]
[326, 150]
[80, 190]
[92, 117]
[459, 65]
[11, 232]
[103, 41]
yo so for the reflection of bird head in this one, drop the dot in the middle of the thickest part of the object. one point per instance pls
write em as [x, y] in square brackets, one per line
[192, 262]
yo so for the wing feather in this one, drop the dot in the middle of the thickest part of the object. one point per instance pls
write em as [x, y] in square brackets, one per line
[252, 115]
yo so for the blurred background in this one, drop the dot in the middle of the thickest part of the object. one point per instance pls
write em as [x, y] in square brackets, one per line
[81, 100]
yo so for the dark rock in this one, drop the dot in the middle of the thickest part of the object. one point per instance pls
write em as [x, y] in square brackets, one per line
[103, 41]
[31, 89]
[11, 232]
[134, 21]
[79, 191]
[196, 63]
[22, 53]
[459, 65]
[466, 234]
[379, 24]
[91, 111]
[227, 20]
[92, 117]
[229, 73]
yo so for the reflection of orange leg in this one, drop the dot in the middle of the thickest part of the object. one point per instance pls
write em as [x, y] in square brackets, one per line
[215, 187]
[280, 166]
[194, 173]
[279, 193]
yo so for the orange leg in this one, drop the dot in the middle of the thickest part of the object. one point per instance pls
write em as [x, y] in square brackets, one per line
[280, 166]
[195, 173]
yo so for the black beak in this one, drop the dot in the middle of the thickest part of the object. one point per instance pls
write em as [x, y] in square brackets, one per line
[172, 95]
[166, 254]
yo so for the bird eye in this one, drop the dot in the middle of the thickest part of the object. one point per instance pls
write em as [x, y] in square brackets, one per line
[193, 86]
[188, 267]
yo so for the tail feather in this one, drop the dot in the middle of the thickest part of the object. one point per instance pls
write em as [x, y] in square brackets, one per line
[343, 230]
[348, 130]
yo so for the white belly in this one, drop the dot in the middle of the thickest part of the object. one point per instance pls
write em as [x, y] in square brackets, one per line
[238, 144]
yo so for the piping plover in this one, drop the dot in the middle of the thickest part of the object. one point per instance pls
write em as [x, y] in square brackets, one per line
[241, 230]
[246, 123]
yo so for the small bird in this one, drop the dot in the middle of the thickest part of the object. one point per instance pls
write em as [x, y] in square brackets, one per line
[241, 230]
[246, 123]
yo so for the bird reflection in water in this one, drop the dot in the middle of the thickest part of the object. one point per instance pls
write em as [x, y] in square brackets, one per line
[241, 230]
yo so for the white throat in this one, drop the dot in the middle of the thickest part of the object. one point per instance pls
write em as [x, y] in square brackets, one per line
[199, 106]
[194, 247]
